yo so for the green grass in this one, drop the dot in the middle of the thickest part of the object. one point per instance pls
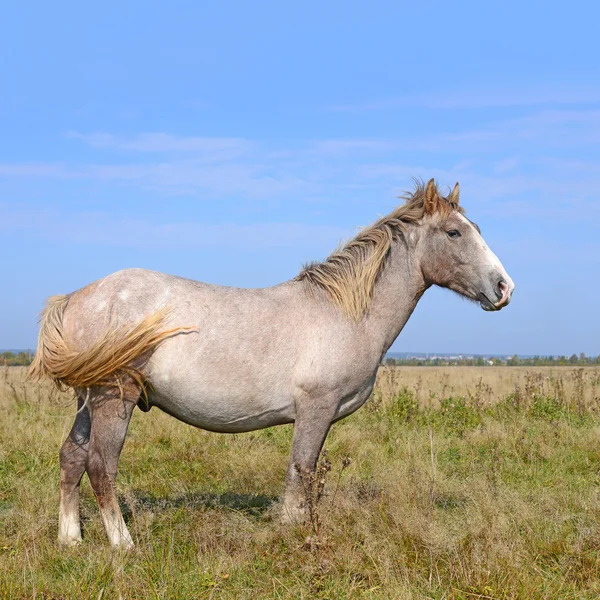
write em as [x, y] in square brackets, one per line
[457, 500]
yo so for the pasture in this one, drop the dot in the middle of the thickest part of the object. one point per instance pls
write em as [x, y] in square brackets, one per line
[449, 483]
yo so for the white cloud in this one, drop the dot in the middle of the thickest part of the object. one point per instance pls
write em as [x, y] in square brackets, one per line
[530, 95]
[103, 229]
[344, 147]
[209, 148]
[175, 177]
[540, 131]
[523, 165]
[42, 170]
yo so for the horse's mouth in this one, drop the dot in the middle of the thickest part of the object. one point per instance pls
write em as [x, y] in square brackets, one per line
[487, 304]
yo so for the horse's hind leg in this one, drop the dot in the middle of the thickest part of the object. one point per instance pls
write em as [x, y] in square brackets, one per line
[73, 458]
[111, 410]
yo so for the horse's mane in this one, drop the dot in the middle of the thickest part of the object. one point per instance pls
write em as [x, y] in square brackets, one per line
[349, 274]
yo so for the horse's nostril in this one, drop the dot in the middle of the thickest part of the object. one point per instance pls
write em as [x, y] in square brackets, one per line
[501, 288]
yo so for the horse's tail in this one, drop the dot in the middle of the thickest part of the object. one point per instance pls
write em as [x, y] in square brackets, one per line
[116, 354]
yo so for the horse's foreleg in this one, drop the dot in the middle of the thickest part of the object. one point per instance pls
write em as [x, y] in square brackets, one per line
[73, 457]
[111, 414]
[311, 427]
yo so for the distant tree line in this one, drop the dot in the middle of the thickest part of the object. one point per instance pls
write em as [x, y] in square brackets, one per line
[494, 361]
[23, 359]
[18, 359]
[575, 359]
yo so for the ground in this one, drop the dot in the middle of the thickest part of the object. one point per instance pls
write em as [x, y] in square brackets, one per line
[449, 483]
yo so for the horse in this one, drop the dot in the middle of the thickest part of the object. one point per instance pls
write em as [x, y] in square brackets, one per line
[231, 360]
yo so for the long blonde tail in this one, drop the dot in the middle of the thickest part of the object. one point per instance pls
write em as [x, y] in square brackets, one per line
[105, 362]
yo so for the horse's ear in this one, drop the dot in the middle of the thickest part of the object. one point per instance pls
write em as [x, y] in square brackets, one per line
[431, 198]
[454, 195]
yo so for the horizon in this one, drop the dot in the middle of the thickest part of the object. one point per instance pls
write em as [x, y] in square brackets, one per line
[409, 354]
[234, 159]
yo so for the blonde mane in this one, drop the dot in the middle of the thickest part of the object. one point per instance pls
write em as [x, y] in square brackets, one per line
[349, 274]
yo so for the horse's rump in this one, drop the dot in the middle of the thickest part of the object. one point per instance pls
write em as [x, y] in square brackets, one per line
[118, 353]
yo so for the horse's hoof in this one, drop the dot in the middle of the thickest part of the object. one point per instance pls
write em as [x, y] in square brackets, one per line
[69, 542]
[292, 515]
[123, 546]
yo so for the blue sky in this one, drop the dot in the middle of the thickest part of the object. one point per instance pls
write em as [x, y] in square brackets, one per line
[231, 142]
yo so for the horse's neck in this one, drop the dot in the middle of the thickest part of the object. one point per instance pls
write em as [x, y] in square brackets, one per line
[397, 291]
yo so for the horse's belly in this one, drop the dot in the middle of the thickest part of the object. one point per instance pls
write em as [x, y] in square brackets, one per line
[226, 414]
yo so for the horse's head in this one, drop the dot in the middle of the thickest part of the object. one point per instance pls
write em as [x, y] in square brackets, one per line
[454, 255]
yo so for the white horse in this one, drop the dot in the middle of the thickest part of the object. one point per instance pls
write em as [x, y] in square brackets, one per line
[230, 360]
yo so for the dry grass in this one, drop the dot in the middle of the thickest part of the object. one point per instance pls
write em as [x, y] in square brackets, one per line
[469, 483]
[491, 384]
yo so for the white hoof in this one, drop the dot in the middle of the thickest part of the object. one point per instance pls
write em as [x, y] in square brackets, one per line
[68, 541]
[292, 514]
[125, 544]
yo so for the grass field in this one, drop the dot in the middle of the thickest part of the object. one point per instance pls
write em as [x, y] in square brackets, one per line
[450, 483]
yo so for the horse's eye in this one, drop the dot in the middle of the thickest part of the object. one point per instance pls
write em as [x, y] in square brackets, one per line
[453, 233]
